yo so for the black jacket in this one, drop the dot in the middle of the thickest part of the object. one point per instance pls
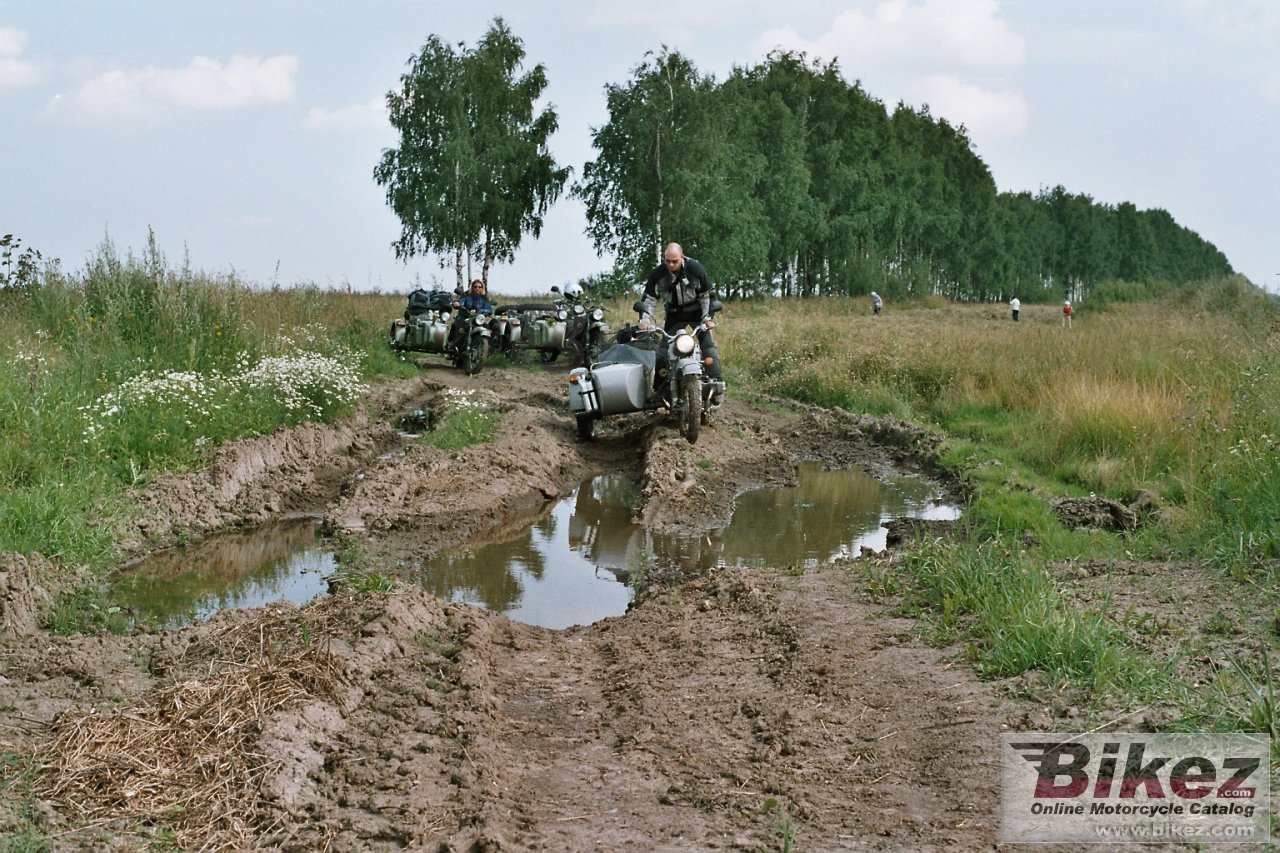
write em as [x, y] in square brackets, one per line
[687, 290]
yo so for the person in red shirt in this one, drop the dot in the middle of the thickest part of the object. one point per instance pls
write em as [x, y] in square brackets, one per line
[1066, 314]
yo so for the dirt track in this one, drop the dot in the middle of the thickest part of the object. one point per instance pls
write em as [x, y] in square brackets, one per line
[737, 711]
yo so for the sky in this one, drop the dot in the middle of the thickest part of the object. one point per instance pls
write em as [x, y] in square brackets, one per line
[243, 134]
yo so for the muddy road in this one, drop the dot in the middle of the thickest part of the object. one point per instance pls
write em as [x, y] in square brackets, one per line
[740, 710]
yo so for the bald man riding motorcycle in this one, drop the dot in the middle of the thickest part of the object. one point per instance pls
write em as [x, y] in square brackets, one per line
[685, 289]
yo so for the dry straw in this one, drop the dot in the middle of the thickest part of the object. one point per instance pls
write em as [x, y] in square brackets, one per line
[185, 760]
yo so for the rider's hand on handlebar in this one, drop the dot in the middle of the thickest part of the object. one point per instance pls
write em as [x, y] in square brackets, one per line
[708, 322]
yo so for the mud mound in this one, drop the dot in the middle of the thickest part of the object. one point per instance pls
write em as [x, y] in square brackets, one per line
[22, 597]
[253, 481]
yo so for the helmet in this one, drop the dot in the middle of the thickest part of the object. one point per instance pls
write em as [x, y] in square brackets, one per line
[573, 290]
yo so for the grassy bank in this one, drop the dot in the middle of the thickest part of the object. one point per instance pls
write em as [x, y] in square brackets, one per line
[129, 368]
[1179, 397]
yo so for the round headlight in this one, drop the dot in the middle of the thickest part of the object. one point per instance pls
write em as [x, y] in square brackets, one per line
[577, 308]
[562, 314]
[684, 345]
[597, 314]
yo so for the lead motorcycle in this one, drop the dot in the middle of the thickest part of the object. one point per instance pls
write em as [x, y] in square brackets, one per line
[468, 346]
[647, 369]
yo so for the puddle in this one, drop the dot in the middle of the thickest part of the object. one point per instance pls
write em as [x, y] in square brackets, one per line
[286, 561]
[570, 567]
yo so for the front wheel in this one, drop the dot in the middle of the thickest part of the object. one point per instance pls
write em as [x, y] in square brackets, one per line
[595, 346]
[586, 428]
[690, 407]
[548, 357]
[474, 358]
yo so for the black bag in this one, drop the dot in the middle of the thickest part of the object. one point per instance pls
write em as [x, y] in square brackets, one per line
[419, 303]
[422, 301]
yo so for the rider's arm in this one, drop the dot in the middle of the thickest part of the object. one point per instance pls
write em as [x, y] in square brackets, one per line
[650, 295]
[704, 290]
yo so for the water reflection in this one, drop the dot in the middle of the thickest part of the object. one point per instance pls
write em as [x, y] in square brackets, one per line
[825, 515]
[539, 577]
[251, 569]
[571, 567]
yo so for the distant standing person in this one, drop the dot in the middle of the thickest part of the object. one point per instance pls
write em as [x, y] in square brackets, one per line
[876, 302]
[1066, 314]
[1014, 306]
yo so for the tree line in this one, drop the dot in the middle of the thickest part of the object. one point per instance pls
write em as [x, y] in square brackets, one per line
[783, 179]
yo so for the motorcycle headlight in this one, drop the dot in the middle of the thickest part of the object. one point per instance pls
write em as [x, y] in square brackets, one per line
[684, 345]
[597, 314]
[562, 314]
[578, 309]
[481, 319]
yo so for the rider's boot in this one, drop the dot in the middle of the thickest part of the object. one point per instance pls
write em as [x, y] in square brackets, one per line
[717, 394]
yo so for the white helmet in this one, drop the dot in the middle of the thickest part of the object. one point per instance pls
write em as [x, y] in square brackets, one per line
[573, 290]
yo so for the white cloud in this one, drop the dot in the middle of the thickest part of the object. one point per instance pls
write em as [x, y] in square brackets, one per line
[370, 114]
[935, 35]
[932, 50]
[204, 84]
[14, 71]
[981, 110]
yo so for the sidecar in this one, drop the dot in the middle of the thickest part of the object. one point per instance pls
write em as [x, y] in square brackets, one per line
[425, 324]
[532, 326]
[621, 381]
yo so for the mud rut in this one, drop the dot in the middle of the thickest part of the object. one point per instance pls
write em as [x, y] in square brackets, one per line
[739, 711]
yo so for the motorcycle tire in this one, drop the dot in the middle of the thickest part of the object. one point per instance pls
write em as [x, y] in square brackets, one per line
[690, 408]
[474, 358]
[548, 357]
[586, 428]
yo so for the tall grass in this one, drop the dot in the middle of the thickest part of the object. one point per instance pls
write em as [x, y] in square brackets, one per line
[129, 368]
[1179, 396]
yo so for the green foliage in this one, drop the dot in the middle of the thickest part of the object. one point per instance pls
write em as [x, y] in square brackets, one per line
[88, 609]
[19, 267]
[1014, 617]
[20, 830]
[785, 179]
[1240, 698]
[473, 173]
[465, 420]
[129, 368]
[358, 582]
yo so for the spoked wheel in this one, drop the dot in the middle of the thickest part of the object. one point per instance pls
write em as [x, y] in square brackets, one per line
[548, 357]
[474, 358]
[691, 407]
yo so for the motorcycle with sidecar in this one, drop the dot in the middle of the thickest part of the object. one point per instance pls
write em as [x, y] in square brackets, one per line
[531, 326]
[433, 322]
[647, 369]
[587, 332]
